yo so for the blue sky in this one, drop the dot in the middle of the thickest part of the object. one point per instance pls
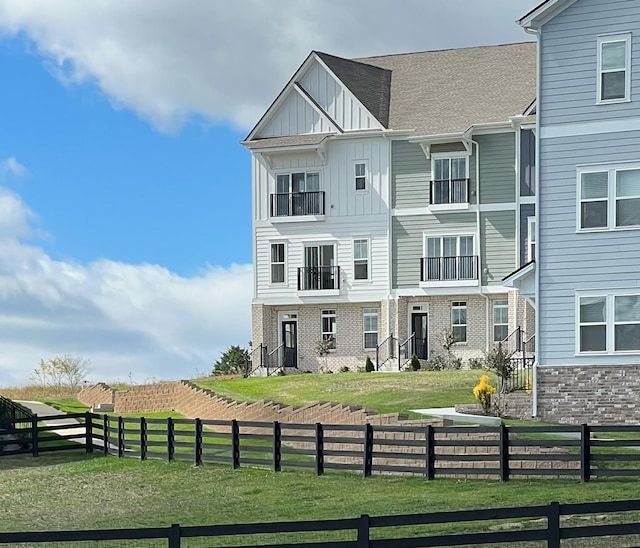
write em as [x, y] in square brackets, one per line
[125, 199]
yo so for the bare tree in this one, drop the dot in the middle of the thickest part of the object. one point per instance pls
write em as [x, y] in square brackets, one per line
[61, 372]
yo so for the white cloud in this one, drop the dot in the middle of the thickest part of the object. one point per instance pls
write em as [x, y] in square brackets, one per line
[11, 165]
[138, 319]
[226, 60]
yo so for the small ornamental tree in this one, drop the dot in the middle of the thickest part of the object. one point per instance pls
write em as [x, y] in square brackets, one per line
[233, 360]
[482, 393]
[368, 365]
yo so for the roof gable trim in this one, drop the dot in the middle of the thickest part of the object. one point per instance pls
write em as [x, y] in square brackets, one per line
[544, 13]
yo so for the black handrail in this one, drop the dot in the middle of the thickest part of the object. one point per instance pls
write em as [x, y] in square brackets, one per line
[449, 191]
[12, 414]
[315, 278]
[449, 268]
[292, 204]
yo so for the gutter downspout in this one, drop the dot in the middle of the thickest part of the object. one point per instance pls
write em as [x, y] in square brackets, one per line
[534, 410]
[487, 335]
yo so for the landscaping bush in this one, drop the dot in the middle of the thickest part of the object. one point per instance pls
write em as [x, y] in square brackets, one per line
[414, 364]
[368, 365]
[482, 393]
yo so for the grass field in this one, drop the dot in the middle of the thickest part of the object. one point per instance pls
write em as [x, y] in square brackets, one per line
[382, 392]
[71, 491]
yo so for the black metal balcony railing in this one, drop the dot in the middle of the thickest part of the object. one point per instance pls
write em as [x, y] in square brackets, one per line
[312, 278]
[450, 191]
[434, 269]
[297, 203]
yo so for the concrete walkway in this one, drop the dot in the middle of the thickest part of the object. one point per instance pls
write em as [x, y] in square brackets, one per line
[450, 414]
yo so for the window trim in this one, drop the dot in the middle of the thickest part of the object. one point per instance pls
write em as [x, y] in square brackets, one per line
[458, 305]
[291, 171]
[607, 39]
[450, 156]
[610, 322]
[531, 238]
[457, 236]
[353, 251]
[612, 198]
[355, 163]
[324, 314]
[370, 312]
[271, 263]
[494, 324]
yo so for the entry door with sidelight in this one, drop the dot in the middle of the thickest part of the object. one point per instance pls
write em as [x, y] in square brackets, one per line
[420, 326]
[290, 343]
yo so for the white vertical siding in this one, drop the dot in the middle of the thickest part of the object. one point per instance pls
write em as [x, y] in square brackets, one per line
[294, 117]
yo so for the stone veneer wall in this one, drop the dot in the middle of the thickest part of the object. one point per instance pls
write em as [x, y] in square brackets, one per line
[598, 395]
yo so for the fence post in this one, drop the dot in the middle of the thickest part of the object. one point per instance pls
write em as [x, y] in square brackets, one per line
[198, 442]
[277, 446]
[429, 453]
[585, 453]
[553, 525]
[120, 437]
[143, 438]
[88, 423]
[319, 449]
[235, 444]
[367, 458]
[170, 439]
[105, 433]
[362, 540]
[504, 453]
[174, 536]
[34, 435]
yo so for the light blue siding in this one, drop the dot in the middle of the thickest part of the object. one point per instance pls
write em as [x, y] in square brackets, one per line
[571, 261]
[569, 61]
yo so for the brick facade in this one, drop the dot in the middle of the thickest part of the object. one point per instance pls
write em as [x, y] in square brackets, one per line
[599, 395]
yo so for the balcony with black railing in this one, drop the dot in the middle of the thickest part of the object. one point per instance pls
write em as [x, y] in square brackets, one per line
[318, 278]
[445, 269]
[450, 191]
[297, 204]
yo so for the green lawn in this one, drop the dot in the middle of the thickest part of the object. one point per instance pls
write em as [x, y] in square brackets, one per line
[70, 490]
[382, 392]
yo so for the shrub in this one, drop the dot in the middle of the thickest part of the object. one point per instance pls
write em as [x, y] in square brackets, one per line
[414, 364]
[344, 369]
[482, 393]
[368, 365]
[497, 360]
[476, 363]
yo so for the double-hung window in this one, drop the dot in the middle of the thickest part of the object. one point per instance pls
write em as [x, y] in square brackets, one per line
[459, 320]
[278, 263]
[450, 182]
[361, 259]
[360, 175]
[329, 328]
[608, 323]
[614, 68]
[500, 320]
[609, 199]
[370, 328]
[297, 194]
[450, 258]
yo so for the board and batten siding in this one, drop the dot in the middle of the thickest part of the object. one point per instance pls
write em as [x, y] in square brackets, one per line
[337, 178]
[342, 233]
[571, 261]
[526, 211]
[497, 168]
[408, 242]
[498, 239]
[295, 117]
[569, 57]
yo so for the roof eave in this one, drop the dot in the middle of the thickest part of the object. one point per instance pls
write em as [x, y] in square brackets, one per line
[544, 13]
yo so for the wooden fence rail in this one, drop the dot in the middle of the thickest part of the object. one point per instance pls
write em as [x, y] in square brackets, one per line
[541, 523]
[582, 452]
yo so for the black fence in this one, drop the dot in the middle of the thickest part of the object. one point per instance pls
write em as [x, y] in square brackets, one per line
[13, 415]
[297, 203]
[536, 523]
[312, 278]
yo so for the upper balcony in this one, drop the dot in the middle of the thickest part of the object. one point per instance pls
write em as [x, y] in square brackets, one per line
[322, 279]
[449, 194]
[449, 271]
[297, 206]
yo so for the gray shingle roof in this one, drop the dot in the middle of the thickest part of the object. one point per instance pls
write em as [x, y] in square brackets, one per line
[448, 91]
[369, 83]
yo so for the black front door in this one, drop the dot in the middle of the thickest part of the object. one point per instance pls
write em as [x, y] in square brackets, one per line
[290, 341]
[419, 326]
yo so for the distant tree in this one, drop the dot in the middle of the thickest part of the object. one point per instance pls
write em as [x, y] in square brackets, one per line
[61, 372]
[233, 360]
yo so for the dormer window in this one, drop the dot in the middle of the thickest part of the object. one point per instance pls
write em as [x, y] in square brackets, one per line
[614, 68]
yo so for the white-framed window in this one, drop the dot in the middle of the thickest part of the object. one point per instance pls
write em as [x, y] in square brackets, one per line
[361, 259]
[360, 174]
[500, 320]
[278, 263]
[459, 320]
[450, 258]
[297, 194]
[614, 68]
[531, 238]
[329, 327]
[450, 176]
[291, 183]
[609, 198]
[370, 328]
[608, 323]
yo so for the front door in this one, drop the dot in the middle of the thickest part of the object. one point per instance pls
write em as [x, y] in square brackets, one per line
[290, 342]
[420, 326]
